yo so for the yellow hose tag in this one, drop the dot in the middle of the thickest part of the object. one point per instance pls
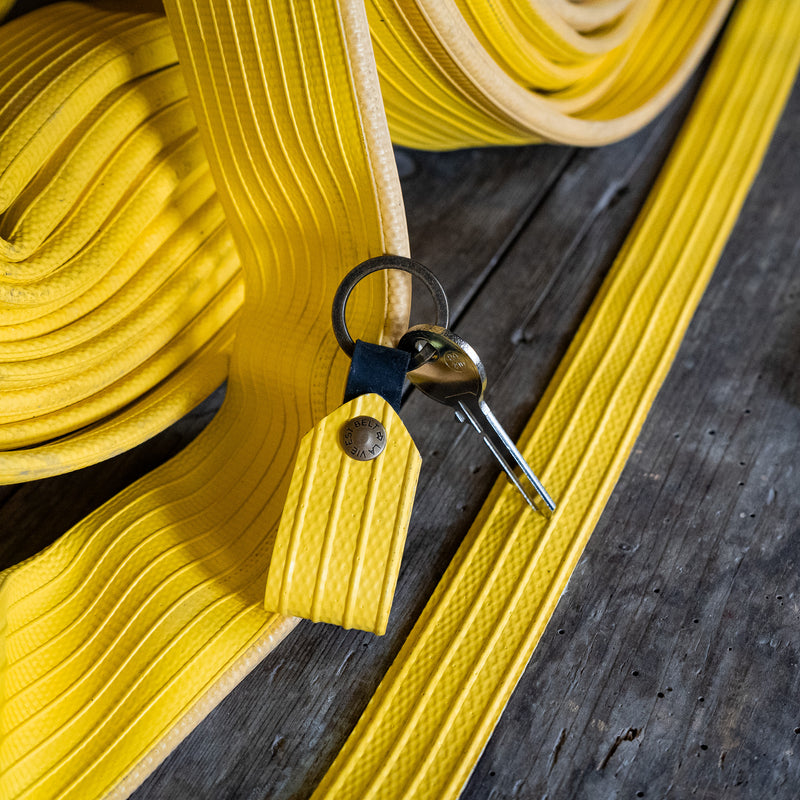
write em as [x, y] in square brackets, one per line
[341, 537]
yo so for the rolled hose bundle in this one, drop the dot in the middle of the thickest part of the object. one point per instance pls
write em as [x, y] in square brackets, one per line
[145, 248]
[120, 281]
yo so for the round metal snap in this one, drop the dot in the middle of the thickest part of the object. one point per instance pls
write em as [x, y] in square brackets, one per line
[363, 438]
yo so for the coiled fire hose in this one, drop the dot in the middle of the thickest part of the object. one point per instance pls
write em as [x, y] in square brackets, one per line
[148, 242]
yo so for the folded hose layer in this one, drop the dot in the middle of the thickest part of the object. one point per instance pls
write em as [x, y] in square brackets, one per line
[120, 281]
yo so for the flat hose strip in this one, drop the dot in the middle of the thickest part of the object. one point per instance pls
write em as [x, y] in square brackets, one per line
[430, 718]
[151, 608]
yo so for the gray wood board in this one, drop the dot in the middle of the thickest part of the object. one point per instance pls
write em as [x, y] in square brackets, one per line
[676, 544]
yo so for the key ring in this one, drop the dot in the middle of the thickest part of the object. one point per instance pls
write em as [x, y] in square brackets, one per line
[375, 265]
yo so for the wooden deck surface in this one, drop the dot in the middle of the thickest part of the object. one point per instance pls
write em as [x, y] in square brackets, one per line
[670, 668]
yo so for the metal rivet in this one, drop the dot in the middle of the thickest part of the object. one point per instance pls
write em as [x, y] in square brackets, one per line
[363, 438]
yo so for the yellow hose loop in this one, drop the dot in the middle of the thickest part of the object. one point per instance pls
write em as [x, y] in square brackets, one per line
[433, 713]
[117, 269]
[443, 88]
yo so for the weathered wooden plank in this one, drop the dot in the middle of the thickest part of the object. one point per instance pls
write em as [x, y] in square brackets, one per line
[280, 729]
[465, 209]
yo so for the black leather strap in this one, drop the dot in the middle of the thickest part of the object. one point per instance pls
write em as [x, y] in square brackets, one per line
[377, 369]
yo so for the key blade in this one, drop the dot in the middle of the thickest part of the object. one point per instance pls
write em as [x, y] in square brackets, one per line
[466, 418]
[505, 451]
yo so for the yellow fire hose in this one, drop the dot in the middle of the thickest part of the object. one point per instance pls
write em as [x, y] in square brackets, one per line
[153, 244]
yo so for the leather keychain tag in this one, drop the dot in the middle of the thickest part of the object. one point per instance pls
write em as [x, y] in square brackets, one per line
[341, 536]
[343, 529]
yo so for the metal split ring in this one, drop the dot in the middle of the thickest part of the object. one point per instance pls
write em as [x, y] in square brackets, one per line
[375, 265]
